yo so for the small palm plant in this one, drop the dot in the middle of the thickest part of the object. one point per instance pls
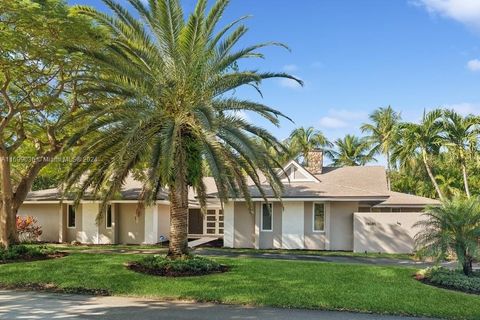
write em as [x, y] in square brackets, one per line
[453, 226]
[180, 117]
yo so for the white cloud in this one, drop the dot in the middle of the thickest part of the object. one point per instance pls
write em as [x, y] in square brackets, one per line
[290, 83]
[473, 65]
[332, 122]
[290, 68]
[347, 114]
[341, 118]
[463, 11]
[465, 108]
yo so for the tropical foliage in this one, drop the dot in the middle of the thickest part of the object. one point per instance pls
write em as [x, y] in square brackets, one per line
[437, 157]
[303, 140]
[452, 227]
[41, 93]
[351, 151]
[28, 229]
[179, 116]
[382, 133]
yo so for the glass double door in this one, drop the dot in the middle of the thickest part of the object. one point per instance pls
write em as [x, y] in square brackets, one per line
[209, 224]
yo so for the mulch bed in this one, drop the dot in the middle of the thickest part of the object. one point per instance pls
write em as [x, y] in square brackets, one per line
[135, 266]
[55, 255]
[49, 287]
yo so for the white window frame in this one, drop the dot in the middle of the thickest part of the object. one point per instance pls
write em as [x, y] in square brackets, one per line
[68, 216]
[261, 217]
[111, 217]
[324, 217]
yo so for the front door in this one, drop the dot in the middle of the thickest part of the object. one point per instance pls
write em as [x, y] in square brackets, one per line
[195, 221]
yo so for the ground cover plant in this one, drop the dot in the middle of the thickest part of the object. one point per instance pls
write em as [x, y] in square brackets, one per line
[451, 279]
[27, 253]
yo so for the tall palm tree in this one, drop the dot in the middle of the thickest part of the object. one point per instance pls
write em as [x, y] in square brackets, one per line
[382, 133]
[178, 78]
[453, 226]
[460, 136]
[350, 151]
[422, 139]
[303, 140]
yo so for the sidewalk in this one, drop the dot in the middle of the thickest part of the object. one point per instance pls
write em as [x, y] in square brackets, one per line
[35, 305]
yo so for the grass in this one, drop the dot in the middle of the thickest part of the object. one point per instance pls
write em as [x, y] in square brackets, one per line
[85, 247]
[279, 283]
[402, 256]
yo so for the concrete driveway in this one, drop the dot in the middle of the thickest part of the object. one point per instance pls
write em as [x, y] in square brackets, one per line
[324, 258]
[39, 305]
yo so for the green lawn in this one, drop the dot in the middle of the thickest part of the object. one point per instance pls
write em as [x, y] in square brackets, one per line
[292, 284]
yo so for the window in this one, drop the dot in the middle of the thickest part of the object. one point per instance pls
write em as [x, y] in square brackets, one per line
[108, 219]
[267, 217]
[71, 216]
[318, 217]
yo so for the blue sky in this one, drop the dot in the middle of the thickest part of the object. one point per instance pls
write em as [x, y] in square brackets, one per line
[356, 56]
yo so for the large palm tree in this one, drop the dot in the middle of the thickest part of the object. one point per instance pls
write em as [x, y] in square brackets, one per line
[421, 139]
[350, 151]
[382, 133]
[303, 140]
[453, 226]
[460, 136]
[178, 78]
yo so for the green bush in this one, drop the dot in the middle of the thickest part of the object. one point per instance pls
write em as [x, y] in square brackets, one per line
[187, 266]
[22, 252]
[453, 279]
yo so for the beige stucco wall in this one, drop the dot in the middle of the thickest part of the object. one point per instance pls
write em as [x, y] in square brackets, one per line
[106, 235]
[163, 220]
[385, 232]
[74, 234]
[313, 240]
[131, 229]
[341, 225]
[244, 226]
[338, 234]
[47, 215]
[270, 239]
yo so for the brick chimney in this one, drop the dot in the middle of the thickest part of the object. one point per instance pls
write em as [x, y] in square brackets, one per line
[314, 161]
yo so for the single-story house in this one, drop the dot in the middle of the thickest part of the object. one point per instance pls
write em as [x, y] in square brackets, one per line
[325, 208]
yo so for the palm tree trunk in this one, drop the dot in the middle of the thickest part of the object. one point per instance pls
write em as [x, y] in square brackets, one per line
[465, 175]
[389, 170]
[430, 174]
[467, 265]
[178, 246]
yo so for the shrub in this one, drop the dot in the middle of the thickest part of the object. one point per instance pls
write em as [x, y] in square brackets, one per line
[452, 279]
[187, 266]
[27, 228]
[22, 252]
[454, 226]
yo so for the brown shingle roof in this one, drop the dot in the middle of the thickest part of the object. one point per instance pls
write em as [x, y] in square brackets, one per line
[405, 199]
[366, 182]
